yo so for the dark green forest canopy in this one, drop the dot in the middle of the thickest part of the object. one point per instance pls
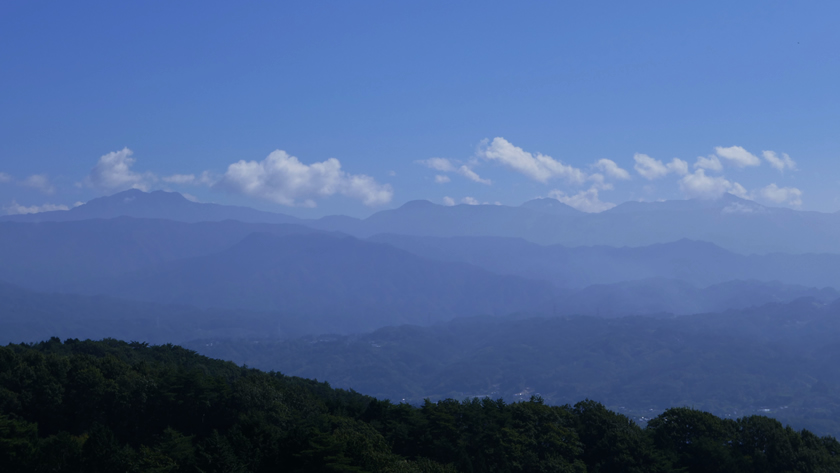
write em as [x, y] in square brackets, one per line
[116, 406]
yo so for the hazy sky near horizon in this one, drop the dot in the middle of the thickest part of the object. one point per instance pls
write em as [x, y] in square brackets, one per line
[314, 108]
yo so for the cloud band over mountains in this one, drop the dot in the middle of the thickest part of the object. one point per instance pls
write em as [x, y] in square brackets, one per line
[284, 179]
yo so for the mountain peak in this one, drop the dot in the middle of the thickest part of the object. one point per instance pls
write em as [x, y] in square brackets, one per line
[551, 206]
[158, 204]
[418, 204]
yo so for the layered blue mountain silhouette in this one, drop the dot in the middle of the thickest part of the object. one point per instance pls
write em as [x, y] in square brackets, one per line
[732, 223]
[435, 263]
[157, 204]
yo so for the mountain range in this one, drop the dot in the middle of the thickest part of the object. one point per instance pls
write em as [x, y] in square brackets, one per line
[697, 262]
[736, 224]
[307, 277]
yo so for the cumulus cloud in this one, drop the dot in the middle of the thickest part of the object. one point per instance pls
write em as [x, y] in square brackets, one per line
[780, 163]
[40, 182]
[442, 179]
[448, 201]
[651, 169]
[17, 209]
[445, 165]
[113, 173]
[586, 201]
[469, 201]
[779, 195]
[699, 185]
[611, 169]
[204, 178]
[599, 181]
[738, 156]
[538, 167]
[711, 163]
[283, 179]
[5, 177]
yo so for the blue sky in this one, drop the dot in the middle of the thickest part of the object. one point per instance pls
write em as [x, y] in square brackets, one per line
[315, 108]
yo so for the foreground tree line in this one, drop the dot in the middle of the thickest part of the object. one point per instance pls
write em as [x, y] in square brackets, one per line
[112, 406]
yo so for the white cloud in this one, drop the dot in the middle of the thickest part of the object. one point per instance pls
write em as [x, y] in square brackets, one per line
[712, 163]
[442, 179]
[438, 164]
[779, 163]
[445, 165]
[448, 201]
[113, 173]
[17, 209]
[538, 167]
[471, 175]
[779, 195]
[469, 201]
[40, 182]
[611, 169]
[599, 181]
[738, 156]
[586, 201]
[651, 169]
[699, 185]
[205, 178]
[283, 179]
[5, 177]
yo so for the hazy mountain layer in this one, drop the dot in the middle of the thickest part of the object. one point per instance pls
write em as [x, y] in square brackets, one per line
[780, 357]
[157, 204]
[696, 262]
[357, 285]
[736, 224]
[339, 284]
[668, 296]
[63, 255]
[29, 316]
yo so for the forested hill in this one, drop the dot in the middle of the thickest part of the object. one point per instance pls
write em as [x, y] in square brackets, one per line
[113, 406]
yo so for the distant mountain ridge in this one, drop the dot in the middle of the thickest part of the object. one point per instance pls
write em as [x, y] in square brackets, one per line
[159, 205]
[736, 224]
[351, 284]
[668, 297]
[58, 256]
[696, 262]
[732, 223]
